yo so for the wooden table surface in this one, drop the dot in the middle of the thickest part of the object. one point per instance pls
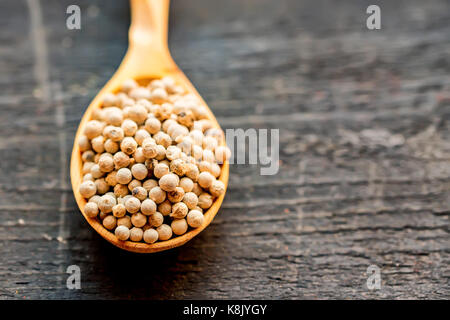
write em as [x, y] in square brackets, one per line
[364, 119]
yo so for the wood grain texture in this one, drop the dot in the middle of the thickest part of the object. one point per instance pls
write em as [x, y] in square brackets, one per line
[364, 119]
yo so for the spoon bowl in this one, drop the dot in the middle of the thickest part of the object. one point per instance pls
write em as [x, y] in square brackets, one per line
[147, 58]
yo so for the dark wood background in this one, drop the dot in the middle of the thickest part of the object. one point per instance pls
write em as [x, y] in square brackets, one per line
[364, 119]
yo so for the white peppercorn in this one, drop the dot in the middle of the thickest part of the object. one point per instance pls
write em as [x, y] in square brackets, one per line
[195, 218]
[111, 194]
[138, 220]
[95, 198]
[109, 222]
[158, 95]
[190, 199]
[120, 190]
[222, 153]
[121, 160]
[114, 133]
[87, 189]
[169, 182]
[149, 149]
[165, 207]
[122, 199]
[167, 123]
[106, 163]
[205, 179]
[150, 184]
[139, 171]
[157, 83]
[150, 164]
[124, 221]
[187, 184]
[179, 210]
[164, 232]
[129, 127]
[167, 163]
[133, 184]
[179, 226]
[215, 170]
[157, 194]
[192, 172]
[119, 210]
[156, 219]
[83, 143]
[205, 200]
[138, 155]
[197, 189]
[178, 166]
[111, 146]
[97, 114]
[153, 125]
[123, 176]
[137, 113]
[208, 155]
[88, 177]
[197, 137]
[139, 93]
[148, 207]
[106, 203]
[113, 116]
[163, 139]
[141, 135]
[160, 152]
[98, 144]
[160, 170]
[197, 152]
[128, 85]
[140, 193]
[168, 83]
[102, 215]
[111, 179]
[102, 186]
[186, 118]
[204, 166]
[151, 236]
[132, 205]
[109, 99]
[88, 156]
[91, 209]
[173, 152]
[128, 145]
[96, 157]
[93, 129]
[209, 143]
[136, 234]
[176, 195]
[217, 188]
[122, 233]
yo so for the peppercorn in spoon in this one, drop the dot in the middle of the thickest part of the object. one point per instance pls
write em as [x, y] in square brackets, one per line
[147, 59]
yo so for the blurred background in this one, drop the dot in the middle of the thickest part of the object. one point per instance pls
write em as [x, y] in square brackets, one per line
[364, 119]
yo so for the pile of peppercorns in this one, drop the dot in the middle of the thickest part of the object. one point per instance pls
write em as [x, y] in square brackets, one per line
[151, 159]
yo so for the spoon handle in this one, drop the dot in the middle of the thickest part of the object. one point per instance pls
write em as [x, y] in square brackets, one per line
[148, 52]
[149, 24]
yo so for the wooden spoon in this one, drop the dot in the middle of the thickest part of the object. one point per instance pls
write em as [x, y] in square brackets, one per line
[147, 58]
